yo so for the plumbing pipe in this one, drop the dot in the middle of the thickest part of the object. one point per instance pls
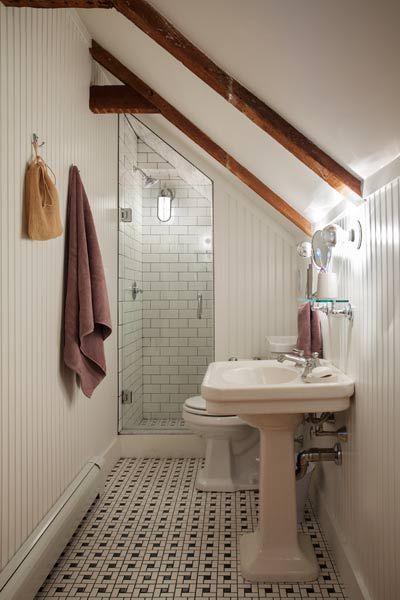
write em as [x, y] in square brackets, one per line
[317, 455]
[323, 418]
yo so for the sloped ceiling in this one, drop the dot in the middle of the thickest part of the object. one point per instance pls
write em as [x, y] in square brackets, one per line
[330, 68]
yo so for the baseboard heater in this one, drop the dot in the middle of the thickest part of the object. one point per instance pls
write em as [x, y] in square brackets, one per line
[27, 570]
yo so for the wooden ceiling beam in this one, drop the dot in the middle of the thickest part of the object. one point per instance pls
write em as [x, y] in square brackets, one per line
[59, 3]
[109, 62]
[118, 99]
[149, 20]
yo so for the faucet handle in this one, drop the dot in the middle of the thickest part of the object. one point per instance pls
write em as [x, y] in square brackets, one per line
[315, 357]
[298, 351]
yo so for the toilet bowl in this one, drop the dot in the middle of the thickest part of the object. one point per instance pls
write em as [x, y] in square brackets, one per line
[232, 449]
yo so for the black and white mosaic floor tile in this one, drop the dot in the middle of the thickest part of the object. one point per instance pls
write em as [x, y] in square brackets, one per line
[153, 535]
[177, 425]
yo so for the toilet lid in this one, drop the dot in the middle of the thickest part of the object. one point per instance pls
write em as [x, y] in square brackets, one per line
[197, 403]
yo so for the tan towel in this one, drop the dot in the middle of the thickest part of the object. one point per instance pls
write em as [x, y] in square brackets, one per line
[42, 206]
[87, 320]
[309, 330]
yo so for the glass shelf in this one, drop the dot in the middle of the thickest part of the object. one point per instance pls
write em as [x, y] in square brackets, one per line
[330, 300]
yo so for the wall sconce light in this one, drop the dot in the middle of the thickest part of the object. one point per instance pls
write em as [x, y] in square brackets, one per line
[334, 235]
[164, 205]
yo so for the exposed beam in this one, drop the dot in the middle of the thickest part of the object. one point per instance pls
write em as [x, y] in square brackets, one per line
[59, 3]
[118, 99]
[144, 16]
[122, 73]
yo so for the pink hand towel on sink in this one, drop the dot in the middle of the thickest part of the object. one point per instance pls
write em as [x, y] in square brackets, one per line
[309, 330]
[87, 320]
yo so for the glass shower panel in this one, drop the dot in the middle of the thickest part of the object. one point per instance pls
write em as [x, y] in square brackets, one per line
[167, 330]
[177, 302]
[130, 310]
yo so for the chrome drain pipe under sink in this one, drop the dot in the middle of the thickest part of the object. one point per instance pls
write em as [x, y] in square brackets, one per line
[317, 455]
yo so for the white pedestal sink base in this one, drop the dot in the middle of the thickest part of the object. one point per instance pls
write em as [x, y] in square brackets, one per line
[258, 564]
[275, 551]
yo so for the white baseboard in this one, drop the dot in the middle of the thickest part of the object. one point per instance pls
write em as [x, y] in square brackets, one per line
[350, 574]
[107, 460]
[110, 456]
[25, 573]
[161, 446]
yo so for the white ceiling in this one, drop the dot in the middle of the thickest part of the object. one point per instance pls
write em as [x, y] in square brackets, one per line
[330, 67]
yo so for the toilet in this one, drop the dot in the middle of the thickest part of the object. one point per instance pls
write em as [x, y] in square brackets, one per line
[232, 449]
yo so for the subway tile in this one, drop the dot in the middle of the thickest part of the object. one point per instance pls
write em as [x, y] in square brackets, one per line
[190, 276]
[169, 276]
[169, 332]
[179, 267]
[169, 257]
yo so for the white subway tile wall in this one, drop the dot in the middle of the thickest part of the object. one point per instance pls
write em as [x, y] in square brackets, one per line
[164, 346]
[177, 267]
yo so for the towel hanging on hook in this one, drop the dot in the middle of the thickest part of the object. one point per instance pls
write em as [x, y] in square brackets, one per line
[42, 206]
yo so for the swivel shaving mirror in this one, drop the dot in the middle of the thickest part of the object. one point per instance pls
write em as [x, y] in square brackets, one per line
[321, 253]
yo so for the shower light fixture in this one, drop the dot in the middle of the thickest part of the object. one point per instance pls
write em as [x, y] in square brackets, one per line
[334, 235]
[164, 205]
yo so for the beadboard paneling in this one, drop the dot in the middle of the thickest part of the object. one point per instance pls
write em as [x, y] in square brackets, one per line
[363, 496]
[255, 264]
[48, 428]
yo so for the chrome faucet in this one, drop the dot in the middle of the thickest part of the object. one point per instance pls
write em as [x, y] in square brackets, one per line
[298, 358]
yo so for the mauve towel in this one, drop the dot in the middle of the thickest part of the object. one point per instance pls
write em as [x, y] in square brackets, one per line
[87, 321]
[309, 330]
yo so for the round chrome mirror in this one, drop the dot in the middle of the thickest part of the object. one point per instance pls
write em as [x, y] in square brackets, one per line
[321, 253]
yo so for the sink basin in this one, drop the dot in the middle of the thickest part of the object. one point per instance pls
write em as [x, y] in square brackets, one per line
[270, 387]
[259, 375]
[273, 397]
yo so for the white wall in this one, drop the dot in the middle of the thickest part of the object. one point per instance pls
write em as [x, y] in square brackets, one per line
[255, 273]
[48, 428]
[362, 498]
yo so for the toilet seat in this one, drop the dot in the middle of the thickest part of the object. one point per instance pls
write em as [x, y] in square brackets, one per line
[198, 406]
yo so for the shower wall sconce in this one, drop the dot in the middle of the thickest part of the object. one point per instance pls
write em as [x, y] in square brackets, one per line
[334, 235]
[164, 205]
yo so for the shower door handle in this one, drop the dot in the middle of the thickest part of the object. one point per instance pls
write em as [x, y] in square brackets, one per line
[199, 305]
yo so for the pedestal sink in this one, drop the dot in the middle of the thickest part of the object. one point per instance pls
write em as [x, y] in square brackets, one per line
[273, 398]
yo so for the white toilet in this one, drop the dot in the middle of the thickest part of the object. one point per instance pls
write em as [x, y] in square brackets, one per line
[232, 449]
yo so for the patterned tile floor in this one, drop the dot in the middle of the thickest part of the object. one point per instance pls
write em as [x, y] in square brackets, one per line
[152, 535]
[155, 425]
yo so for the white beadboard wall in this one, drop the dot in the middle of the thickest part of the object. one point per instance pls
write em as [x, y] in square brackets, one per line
[48, 429]
[362, 498]
[256, 289]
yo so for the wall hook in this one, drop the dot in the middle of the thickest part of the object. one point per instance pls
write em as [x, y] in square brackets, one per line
[35, 141]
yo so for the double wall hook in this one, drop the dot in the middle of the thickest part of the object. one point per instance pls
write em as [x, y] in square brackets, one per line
[35, 141]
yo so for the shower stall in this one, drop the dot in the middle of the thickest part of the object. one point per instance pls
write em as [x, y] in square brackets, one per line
[166, 324]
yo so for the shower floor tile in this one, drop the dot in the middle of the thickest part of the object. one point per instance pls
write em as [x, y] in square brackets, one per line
[173, 425]
[153, 535]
